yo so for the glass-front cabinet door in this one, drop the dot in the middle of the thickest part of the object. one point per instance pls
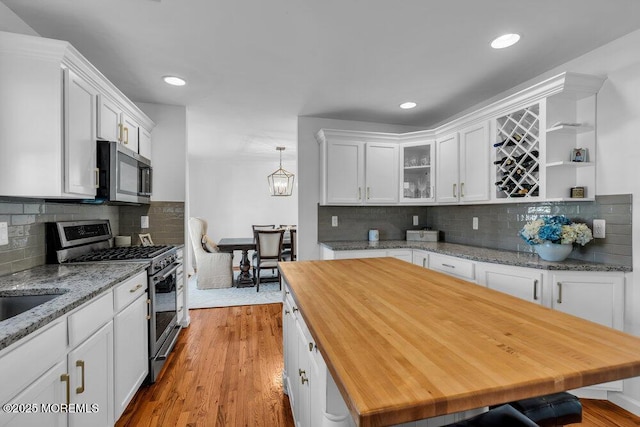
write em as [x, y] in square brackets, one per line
[417, 172]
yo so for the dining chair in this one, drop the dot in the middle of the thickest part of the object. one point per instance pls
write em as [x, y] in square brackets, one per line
[294, 244]
[269, 252]
[286, 252]
[254, 228]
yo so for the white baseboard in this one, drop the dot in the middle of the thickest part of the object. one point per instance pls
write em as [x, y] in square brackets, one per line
[625, 402]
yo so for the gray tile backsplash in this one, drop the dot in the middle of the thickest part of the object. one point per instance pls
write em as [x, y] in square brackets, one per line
[26, 218]
[498, 224]
[354, 222]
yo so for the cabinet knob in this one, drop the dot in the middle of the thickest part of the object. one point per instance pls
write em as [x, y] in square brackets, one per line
[310, 346]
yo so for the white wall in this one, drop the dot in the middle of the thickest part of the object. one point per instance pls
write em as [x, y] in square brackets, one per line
[168, 150]
[12, 23]
[232, 194]
[309, 176]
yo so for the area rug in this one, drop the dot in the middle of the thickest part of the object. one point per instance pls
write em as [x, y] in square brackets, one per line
[206, 298]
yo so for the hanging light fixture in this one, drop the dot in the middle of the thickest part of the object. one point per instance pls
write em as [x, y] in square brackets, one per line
[281, 181]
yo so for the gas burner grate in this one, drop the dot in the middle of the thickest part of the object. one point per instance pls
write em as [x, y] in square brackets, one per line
[123, 254]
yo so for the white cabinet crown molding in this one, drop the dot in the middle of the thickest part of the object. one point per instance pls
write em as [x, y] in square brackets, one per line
[64, 53]
[572, 85]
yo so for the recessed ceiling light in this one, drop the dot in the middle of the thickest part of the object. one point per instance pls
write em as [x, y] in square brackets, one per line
[505, 40]
[408, 105]
[174, 81]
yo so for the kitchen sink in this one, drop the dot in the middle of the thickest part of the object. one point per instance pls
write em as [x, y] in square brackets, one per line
[13, 305]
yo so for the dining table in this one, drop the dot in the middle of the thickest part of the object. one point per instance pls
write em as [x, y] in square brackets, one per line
[244, 244]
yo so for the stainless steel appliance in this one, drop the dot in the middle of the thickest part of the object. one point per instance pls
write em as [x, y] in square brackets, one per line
[90, 241]
[124, 175]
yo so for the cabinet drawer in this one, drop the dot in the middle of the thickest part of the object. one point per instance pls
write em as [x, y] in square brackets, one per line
[25, 363]
[127, 292]
[90, 318]
[454, 266]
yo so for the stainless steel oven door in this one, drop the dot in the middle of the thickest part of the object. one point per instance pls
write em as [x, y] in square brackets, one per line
[163, 326]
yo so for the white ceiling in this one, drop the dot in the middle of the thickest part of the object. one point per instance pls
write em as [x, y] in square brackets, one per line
[253, 66]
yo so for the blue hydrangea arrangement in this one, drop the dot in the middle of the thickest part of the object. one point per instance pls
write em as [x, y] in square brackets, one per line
[557, 229]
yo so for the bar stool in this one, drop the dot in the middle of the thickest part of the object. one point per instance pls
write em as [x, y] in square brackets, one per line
[552, 410]
[504, 415]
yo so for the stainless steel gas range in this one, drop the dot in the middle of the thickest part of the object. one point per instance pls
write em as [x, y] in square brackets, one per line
[90, 241]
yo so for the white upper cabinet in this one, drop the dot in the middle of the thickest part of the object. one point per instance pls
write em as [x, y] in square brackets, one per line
[345, 172]
[130, 132]
[53, 108]
[448, 168]
[417, 176]
[79, 136]
[463, 165]
[381, 173]
[474, 163]
[358, 168]
[109, 120]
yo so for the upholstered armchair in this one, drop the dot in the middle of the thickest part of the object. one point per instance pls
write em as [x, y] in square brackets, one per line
[213, 268]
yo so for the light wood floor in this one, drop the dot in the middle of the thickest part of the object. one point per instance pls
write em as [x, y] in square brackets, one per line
[226, 371]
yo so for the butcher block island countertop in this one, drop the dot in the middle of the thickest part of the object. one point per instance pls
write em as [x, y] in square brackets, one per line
[405, 343]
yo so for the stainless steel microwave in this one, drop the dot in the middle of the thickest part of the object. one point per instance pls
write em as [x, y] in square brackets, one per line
[124, 175]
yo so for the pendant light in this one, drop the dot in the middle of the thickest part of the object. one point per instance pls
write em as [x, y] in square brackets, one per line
[281, 181]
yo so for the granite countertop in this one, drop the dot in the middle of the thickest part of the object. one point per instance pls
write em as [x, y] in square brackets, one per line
[497, 256]
[77, 284]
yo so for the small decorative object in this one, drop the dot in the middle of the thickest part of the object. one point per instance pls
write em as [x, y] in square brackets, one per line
[553, 237]
[577, 192]
[579, 155]
[281, 181]
[145, 239]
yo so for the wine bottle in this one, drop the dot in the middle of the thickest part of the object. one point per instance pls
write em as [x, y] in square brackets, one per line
[505, 161]
[509, 141]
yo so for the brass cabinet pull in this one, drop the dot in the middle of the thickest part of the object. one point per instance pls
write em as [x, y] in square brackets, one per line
[424, 262]
[181, 307]
[301, 372]
[448, 265]
[120, 130]
[535, 289]
[454, 189]
[96, 172]
[126, 135]
[304, 379]
[138, 286]
[180, 287]
[368, 193]
[559, 293]
[148, 309]
[287, 312]
[80, 364]
[359, 193]
[462, 189]
[65, 378]
[295, 309]
[286, 292]
[310, 346]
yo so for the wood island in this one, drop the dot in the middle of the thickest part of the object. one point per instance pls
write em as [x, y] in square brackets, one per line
[391, 342]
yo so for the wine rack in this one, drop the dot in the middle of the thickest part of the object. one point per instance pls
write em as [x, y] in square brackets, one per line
[517, 157]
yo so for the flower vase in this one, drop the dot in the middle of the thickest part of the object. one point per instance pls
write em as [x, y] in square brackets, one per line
[553, 251]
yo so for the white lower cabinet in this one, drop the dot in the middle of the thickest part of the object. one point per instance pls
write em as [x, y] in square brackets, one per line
[72, 362]
[524, 283]
[420, 258]
[131, 362]
[598, 297]
[90, 368]
[458, 267]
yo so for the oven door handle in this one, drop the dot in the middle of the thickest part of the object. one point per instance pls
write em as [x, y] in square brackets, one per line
[164, 355]
[167, 274]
